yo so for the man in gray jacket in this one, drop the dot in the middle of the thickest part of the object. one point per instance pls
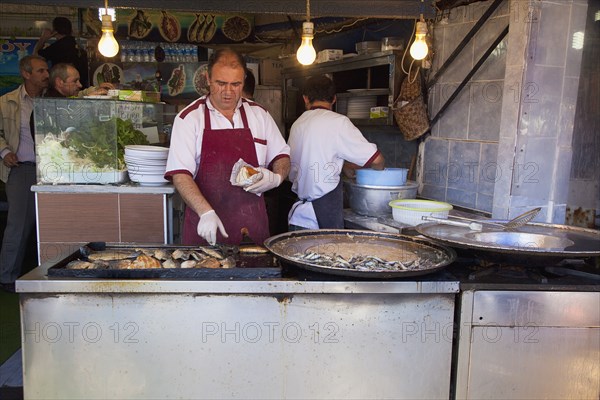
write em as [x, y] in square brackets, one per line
[17, 169]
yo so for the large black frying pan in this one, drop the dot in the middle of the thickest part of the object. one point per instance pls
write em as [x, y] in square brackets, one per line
[248, 266]
[534, 244]
[390, 247]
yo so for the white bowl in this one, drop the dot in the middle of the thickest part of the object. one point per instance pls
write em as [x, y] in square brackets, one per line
[146, 148]
[136, 161]
[147, 178]
[410, 211]
[147, 152]
[140, 169]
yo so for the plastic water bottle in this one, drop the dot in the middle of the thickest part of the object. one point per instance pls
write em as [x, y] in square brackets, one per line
[147, 54]
[124, 51]
[191, 53]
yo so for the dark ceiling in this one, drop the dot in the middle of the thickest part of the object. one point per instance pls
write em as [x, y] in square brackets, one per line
[318, 8]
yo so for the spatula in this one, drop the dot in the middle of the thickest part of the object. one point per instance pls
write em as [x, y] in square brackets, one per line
[249, 246]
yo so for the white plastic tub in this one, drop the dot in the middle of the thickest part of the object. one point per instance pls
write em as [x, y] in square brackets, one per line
[410, 211]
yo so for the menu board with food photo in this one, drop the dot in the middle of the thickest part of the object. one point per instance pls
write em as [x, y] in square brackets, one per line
[140, 25]
[183, 80]
[107, 72]
[184, 27]
[140, 76]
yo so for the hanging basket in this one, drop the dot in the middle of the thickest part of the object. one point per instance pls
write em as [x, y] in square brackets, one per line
[410, 110]
[410, 87]
[412, 118]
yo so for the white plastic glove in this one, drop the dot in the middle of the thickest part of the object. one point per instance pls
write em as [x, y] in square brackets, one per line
[269, 181]
[207, 227]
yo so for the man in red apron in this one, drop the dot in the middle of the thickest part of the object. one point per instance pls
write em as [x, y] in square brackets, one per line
[208, 137]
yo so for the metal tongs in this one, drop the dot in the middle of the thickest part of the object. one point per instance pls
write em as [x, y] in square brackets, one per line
[477, 224]
[474, 226]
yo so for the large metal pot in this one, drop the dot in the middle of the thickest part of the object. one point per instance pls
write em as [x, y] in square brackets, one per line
[373, 201]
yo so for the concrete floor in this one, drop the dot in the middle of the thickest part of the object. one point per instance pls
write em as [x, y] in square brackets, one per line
[11, 374]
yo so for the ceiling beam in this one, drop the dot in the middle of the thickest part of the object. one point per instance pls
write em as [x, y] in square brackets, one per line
[407, 9]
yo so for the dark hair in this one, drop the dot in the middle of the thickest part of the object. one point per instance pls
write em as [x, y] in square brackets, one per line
[62, 25]
[319, 88]
[220, 54]
[249, 83]
[25, 62]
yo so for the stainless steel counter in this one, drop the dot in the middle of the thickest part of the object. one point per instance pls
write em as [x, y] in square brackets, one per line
[268, 339]
[37, 281]
[296, 339]
[383, 223]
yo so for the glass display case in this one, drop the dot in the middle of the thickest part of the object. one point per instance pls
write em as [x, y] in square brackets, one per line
[82, 140]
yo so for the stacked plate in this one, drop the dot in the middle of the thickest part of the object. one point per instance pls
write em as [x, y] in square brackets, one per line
[359, 107]
[341, 105]
[146, 164]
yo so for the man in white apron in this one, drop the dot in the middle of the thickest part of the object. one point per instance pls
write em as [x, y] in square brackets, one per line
[321, 140]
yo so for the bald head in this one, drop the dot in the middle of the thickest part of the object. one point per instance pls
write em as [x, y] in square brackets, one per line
[65, 79]
[226, 57]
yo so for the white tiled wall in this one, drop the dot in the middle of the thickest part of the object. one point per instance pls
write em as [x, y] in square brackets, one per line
[459, 159]
[504, 145]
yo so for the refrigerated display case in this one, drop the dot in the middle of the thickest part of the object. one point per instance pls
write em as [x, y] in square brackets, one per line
[82, 140]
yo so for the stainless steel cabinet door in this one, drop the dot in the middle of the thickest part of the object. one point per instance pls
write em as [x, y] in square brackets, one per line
[529, 345]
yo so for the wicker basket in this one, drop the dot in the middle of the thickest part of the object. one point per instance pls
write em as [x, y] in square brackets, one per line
[410, 110]
[410, 88]
[412, 118]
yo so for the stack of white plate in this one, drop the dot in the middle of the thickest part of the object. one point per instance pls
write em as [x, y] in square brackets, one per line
[341, 105]
[146, 164]
[359, 107]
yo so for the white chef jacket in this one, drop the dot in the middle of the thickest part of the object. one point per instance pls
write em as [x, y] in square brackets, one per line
[188, 130]
[320, 140]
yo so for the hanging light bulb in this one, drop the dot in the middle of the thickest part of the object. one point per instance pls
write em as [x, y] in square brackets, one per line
[418, 50]
[306, 53]
[107, 46]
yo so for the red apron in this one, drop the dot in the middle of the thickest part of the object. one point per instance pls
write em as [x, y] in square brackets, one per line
[235, 207]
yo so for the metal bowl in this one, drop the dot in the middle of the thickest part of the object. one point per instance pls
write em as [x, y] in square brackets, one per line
[373, 201]
[384, 177]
